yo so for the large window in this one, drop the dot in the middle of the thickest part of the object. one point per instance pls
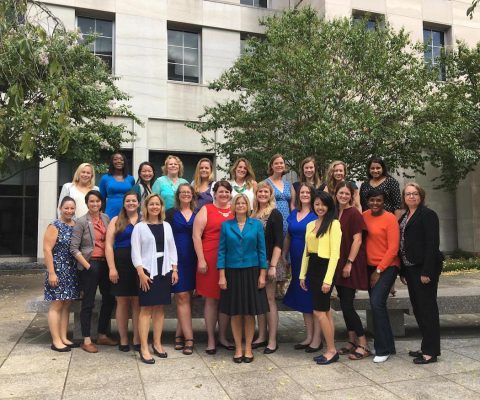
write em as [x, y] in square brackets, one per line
[183, 56]
[102, 46]
[19, 212]
[255, 3]
[434, 41]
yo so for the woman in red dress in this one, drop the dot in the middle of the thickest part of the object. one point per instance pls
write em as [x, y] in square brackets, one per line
[206, 237]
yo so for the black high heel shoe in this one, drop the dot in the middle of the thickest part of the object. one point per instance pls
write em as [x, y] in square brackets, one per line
[145, 361]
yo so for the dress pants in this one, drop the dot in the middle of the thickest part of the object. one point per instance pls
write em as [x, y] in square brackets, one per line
[352, 320]
[96, 275]
[384, 342]
[424, 303]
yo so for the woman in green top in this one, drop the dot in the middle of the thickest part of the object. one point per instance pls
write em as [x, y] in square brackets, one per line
[166, 186]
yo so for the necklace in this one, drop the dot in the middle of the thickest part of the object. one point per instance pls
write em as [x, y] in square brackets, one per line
[240, 189]
[224, 214]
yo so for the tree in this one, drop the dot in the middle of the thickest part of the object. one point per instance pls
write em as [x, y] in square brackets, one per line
[56, 97]
[332, 89]
[472, 8]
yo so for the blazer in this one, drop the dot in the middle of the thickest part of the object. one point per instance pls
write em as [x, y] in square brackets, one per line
[240, 249]
[83, 236]
[422, 241]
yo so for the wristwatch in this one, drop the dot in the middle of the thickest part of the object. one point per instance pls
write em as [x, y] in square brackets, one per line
[349, 261]
[378, 271]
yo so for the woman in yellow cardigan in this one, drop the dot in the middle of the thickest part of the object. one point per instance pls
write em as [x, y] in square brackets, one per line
[320, 257]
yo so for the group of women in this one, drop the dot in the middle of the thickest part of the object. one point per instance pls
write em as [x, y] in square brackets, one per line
[231, 243]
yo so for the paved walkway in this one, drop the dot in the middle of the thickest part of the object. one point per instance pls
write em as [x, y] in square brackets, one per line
[30, 370]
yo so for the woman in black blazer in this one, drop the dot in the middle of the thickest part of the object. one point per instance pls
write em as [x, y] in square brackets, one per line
[421, 268]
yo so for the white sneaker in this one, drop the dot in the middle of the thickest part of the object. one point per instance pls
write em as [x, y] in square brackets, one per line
[380, 359]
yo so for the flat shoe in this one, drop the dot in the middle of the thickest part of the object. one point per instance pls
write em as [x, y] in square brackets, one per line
[106, 341]
[158, 354]
[137, 347]
[335, 358]
[73, 345]
[124, 347]
[309, 349]
[320, 357]
[60, 349]
[226, 346]
[145, 361]
[415, 354]
[89, 348]
[247, 359]
[259, 344]
[211, 352]
[381, 359]
[268, 350]
[299, 346]
[421, 360]
[238, 360]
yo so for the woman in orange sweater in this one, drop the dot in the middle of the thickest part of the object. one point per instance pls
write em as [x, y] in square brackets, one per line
[383, 242]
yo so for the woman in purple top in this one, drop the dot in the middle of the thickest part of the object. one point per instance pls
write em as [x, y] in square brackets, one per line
[115, 184]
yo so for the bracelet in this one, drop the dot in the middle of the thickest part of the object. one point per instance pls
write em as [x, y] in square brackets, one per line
[273, 266]
[350, 261]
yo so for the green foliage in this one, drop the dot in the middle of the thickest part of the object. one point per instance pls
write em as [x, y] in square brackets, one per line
[55, 96]
[471, 9]
[332, 89]
[461, 264]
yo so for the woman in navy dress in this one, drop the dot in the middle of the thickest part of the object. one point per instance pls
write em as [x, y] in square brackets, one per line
[181, 219]
[61, 279]
[296, 297]
[115, 184]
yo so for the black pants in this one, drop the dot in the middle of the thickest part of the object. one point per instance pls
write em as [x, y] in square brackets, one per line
[352, 320]
[96, 275]
[424, 303]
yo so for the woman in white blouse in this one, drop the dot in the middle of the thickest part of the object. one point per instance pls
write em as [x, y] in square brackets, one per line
[154, 255]
[83, 181]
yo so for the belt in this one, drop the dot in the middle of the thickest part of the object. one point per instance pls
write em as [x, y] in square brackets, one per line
[98, 259]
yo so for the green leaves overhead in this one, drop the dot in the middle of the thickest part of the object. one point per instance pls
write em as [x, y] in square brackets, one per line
[335, 90]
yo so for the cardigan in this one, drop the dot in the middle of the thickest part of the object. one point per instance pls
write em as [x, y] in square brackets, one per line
[241, 249]
[273, 232]
[327, 246]
[422, 241]
[83, 236]
[144, 249]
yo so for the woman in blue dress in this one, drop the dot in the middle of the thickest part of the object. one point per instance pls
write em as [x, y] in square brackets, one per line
[115, 184]
[203, 181]
[296, 297]
[181, 219]
[61, 279]
[285, 200]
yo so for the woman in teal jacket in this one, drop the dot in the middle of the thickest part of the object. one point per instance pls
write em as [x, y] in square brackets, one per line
[242, 263]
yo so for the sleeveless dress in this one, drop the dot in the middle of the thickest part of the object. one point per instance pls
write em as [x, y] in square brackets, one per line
[207, 284]
[113, 191]
[283, 201]
[127, 284]
[187, 258]
[64, 265]
[297, 298]
[204, 197]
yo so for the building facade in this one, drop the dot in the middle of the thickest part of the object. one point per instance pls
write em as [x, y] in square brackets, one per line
[167, 51]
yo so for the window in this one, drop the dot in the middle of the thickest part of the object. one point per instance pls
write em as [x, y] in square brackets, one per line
[255, 3]
[102, 46]
[434, 42]
[183, 56]
[373, 21]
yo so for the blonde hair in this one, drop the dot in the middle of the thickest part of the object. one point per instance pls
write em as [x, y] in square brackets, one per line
[330, 180]
[234, 203]
[316, 177]
[271, 201]
[180, 165]
[197, 181]
[146, 216]
[249, 178]
[76, 175]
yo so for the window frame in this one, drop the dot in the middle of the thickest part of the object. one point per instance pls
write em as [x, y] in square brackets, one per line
[429, 48]
[101, 18]
[253, 4]
[183, 30]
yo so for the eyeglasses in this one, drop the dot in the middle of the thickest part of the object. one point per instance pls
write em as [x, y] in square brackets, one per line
[412, 194]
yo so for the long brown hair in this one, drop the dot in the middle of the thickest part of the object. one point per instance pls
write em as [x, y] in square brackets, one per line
[330, 180]
[316, 177]
[249, 178]
[122, 220]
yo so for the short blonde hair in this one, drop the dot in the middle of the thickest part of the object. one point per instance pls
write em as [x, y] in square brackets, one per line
[271, 201]
[76, 175]
[145, 214]
[180, 165]
[235, 200]
[250, 177]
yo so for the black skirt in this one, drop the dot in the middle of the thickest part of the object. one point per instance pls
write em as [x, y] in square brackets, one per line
[160, 291]
[242, 296]
[317, 269]
[127, 284]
